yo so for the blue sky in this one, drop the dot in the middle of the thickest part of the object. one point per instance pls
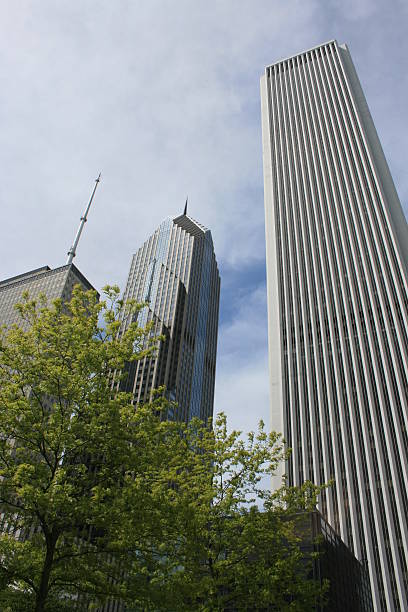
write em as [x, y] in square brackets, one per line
[163, 97]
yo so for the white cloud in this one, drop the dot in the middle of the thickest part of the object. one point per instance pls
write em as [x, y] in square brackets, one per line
[244, 336]
[242, 370]
[163, 97]
[242, 393]
[356, 10]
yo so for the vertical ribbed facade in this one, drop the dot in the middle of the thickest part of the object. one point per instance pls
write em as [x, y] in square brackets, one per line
[337, 260]
[175, 272]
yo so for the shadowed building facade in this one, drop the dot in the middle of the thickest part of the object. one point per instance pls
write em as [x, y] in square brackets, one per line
[175, 272]
[57, 283]
[349, 586]
[337, 262]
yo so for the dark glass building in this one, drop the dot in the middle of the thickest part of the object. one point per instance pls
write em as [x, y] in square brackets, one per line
[175, 272]
[349, 583]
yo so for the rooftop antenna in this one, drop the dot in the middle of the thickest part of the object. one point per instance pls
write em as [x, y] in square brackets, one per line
[72, 251]
[185, 207]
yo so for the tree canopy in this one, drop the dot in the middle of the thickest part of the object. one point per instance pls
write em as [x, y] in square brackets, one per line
[103, 499]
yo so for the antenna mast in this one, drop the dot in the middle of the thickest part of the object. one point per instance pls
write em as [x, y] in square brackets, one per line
[72, 251]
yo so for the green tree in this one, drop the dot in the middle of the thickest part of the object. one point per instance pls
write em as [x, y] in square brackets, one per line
[101, 499]
[228, 542]
[64, 447]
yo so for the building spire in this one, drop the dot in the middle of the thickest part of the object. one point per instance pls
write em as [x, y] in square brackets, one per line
[185, 207]
[72, 251]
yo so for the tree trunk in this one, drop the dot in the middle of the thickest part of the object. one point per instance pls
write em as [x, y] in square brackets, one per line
[42, 594]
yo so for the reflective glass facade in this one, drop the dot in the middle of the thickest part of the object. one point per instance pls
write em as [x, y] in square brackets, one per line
[337, 261]
[176, 273]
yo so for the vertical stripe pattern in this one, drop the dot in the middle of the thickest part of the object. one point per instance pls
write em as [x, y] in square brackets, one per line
[343, 308]
[175, 272]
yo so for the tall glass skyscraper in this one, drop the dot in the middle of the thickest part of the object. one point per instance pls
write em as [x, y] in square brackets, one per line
[337, 270]
[175, 272]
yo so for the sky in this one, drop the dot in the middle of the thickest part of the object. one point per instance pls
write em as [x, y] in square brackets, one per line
[162, 97]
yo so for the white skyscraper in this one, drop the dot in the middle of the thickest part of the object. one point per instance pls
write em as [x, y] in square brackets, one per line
[337, 272]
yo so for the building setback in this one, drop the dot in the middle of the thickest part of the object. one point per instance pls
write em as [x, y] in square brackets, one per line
[349, 587]
[175, 272]
[337, 262]
[57, 283]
